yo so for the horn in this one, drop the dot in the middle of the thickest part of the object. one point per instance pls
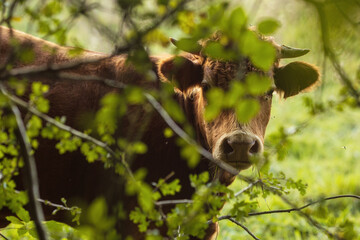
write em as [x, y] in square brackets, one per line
[196, 50]
[290, 52]
[173, 41]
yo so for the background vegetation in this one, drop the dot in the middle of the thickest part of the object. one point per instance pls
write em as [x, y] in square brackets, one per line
[312, 138]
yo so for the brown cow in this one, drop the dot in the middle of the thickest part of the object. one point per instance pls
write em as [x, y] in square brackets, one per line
[228, 140]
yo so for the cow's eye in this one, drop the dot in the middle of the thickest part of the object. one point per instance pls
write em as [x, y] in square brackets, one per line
[268, 95]
[205, 86]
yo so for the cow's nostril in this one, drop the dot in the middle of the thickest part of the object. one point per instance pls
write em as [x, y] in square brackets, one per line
[227, 147]
[255, 148]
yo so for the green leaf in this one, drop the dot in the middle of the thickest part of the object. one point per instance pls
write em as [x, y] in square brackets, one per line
[190, 154]
[268, 26]
[188, 45]
[168, 132]
[138, 217]
[174, 110]
[247, 109]
[26, 55]
[14, 220]
[257, 84]
[262, 54]
[139, 147]
[134, 95]
[23, 215]
[216, 50]
[97, 210]
[170, 188]
[237, 20]
[215, 98]
[198, 180]
[236, 91]
[52, 8]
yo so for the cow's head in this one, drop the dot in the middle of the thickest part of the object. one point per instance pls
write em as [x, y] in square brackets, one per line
[228, 139]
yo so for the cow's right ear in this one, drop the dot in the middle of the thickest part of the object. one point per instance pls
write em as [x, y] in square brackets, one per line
[181, 71]
[296, 77]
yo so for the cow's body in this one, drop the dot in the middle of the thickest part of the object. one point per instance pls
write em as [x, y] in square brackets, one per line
[70, 176]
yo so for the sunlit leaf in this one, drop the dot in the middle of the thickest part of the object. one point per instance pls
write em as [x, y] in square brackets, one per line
[247, 109]
[268, 26]
[215, 98]
[257, 84]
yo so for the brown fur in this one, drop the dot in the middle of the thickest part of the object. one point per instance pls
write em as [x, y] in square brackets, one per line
[70, 176]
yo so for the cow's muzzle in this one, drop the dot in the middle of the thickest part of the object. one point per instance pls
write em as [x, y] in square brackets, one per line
[237, 148]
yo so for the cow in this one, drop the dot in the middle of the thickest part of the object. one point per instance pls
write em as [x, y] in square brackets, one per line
[72, 177]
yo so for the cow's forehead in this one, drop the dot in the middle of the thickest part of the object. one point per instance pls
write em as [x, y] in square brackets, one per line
[221, 73]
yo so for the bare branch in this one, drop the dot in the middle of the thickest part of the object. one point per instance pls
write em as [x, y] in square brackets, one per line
[312, 221]
[247, 188]
[156, 24]
[173, 202]
[30, 176]
[1, 235]
[293, 209]
[245, 228]
[55, 205]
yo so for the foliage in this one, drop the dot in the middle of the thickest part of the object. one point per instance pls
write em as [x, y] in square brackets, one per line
[140, 31]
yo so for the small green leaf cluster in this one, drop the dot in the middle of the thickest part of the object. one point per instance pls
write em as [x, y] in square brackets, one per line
[230, 44]
[48, 19]
[146, 213]
[20, 228]
[241, 209]
[191, 219]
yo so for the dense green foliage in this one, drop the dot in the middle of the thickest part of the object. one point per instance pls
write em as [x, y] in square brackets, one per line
[311, 143]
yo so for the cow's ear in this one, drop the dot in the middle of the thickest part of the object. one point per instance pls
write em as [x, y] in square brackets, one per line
[181, 71]
[296, 77]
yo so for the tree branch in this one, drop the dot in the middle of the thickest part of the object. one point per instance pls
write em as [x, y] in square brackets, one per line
[173, 202]
[247, 188]
[312, 221]
[245, 228]
[1, 235]
[30, 176]
[293, 209]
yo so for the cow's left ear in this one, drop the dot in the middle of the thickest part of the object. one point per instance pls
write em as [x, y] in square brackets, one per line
[296, 77]
[181, 71]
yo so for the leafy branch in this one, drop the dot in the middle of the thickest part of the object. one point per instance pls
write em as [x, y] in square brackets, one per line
[293, 209]
[30, 174]
[67, 128]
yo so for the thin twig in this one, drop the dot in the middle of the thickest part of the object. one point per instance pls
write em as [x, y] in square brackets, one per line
[156, 24]
[157, 186]
[311, 220]
[292, 209]
[247, 188]
[55, 205]
[245, 228]
[173, 202]
[1, 235]
[30, 176]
